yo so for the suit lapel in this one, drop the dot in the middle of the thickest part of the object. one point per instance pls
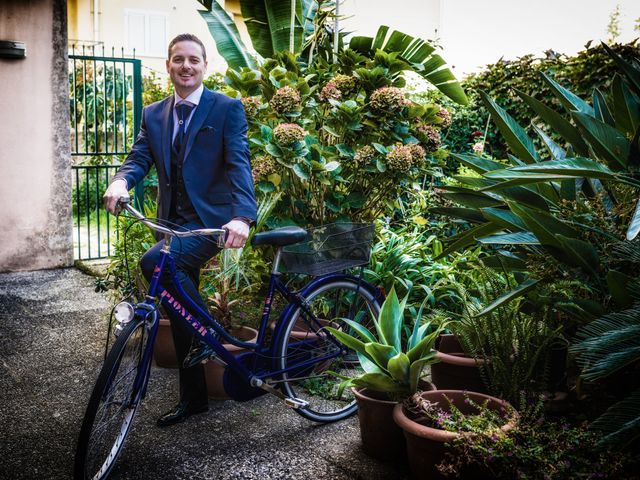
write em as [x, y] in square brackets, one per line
[167, 134]
[207, 101]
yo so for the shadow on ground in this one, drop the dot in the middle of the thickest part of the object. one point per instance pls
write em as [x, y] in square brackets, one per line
[52, 331]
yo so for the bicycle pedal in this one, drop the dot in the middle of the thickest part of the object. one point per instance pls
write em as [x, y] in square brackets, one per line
[295, 402]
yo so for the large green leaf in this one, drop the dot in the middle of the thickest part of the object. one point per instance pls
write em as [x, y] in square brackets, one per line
[569, 100]
[569, 167]
[419, 55]
[505, 218]
[471, 198]
[632, 73]
[505, 298]
[269, 24]
[476, 163]
[505, 260]
[381, 354]
[516, 238]
[626, 107]
[601, 108]
[543, 225]
[515, 136]
[364, 334]
[398, 367]
[634, 224]
[618, 284]
[580, 254]
[390, 321]
[423, 347]
[559, 124]
[348, 340]
[468, 237]
[555, 150]
[469, 214]
[416, 369]
[225, 33]
[378, 382]
[608, 143]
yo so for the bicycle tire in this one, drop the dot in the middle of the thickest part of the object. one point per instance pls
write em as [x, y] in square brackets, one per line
[317, 385]
[115, 386]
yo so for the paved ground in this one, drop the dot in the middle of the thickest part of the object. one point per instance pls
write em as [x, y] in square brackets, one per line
[52, 330]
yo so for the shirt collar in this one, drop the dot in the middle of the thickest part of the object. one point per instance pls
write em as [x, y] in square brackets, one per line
[193, 97]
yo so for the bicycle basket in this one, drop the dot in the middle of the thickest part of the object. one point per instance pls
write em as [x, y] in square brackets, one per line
[330, 248]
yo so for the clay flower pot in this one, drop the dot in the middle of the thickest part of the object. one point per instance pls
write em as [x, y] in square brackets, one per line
[456, 371]
[164, 351]
[381, 437]
[426, 445]
[214, 372]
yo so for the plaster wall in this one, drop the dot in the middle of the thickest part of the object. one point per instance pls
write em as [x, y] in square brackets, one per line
[182, 15]
[35, 206]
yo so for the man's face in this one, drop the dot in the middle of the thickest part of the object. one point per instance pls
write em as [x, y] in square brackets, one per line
[186, 67]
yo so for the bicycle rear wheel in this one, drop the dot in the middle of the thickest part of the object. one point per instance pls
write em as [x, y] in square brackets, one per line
[304, 341]
[113, 404]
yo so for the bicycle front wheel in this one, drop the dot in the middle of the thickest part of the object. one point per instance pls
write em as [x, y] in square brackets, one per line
[112, 404]
[318, 364]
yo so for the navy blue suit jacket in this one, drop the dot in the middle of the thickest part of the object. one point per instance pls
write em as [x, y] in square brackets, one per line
[216, 168]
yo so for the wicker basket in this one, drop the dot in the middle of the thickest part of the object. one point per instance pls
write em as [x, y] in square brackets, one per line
[330, 248]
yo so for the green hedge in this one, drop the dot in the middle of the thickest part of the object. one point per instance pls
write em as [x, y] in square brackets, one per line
[581, 73]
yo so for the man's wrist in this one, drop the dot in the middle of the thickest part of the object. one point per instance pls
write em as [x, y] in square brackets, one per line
[246, 220]
[120, 179]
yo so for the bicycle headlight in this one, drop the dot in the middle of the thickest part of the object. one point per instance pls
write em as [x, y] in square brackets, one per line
[123, 312]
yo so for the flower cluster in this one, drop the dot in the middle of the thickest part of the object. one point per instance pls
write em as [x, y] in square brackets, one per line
[337, 87]
[400, 158]
[286, 99]
[251, 105]
[287, 134]
[364, 155]
[263, 166]
[417, 153]
[387, 99]
[428, 136]
[445, 116]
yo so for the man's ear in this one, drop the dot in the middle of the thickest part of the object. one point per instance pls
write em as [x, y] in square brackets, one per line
[166, 62]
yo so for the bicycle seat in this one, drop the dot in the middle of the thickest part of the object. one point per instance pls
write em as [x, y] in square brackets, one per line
[280, 237]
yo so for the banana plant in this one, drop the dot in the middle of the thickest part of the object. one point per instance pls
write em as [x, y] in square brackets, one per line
[273, 25]
[390, 365]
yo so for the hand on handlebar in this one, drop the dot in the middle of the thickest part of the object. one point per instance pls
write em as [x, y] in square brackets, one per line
[111, 197]
[237, 233]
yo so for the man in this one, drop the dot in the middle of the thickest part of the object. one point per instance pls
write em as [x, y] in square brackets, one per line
[197, 141]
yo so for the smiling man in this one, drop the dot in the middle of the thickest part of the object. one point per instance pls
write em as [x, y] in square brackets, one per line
[197, 141]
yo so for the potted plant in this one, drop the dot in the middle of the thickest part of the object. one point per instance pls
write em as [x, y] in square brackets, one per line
[391, 371]
[431, 420]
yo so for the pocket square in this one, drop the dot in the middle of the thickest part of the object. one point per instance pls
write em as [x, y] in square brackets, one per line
[207, 128]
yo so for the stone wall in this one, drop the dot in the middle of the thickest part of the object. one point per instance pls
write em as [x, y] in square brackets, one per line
[35, 160]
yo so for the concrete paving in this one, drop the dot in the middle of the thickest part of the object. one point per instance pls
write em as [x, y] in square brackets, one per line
[52, 332]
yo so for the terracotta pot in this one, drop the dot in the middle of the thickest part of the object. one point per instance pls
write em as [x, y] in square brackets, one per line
[426, 446]
[456, 371]
[214, 372]
[381, 437]
[164, 351]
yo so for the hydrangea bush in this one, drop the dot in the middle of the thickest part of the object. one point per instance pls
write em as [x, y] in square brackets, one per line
[341, 140]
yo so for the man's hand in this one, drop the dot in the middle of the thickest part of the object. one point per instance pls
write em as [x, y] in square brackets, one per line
[117, 189]
[238, 233]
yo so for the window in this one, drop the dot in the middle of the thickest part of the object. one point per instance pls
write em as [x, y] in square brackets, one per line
[146, 32]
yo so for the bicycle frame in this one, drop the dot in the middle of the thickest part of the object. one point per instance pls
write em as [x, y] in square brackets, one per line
[192, 314]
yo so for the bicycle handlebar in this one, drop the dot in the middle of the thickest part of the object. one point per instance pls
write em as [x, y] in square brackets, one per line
[221, 233]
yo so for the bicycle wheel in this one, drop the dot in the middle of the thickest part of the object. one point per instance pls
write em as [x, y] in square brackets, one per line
[112, 404]
[305, 341]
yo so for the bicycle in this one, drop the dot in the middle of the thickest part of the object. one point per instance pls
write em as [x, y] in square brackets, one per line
[304, 371]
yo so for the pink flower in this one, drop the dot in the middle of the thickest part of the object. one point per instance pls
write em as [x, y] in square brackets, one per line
[478, 147]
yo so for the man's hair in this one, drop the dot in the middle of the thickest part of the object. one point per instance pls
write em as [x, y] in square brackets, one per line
[186, 37]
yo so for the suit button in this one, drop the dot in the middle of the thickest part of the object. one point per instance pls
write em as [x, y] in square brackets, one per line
[168, 185]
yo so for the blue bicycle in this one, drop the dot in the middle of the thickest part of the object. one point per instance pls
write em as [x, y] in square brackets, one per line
[299, 361]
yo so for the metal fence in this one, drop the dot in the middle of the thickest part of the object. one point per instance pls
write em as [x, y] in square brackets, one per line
[105, 94]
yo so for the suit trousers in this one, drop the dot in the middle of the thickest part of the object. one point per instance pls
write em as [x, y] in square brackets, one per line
[190, 254]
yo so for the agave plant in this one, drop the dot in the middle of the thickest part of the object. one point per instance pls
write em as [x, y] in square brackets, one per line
[390, 365]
